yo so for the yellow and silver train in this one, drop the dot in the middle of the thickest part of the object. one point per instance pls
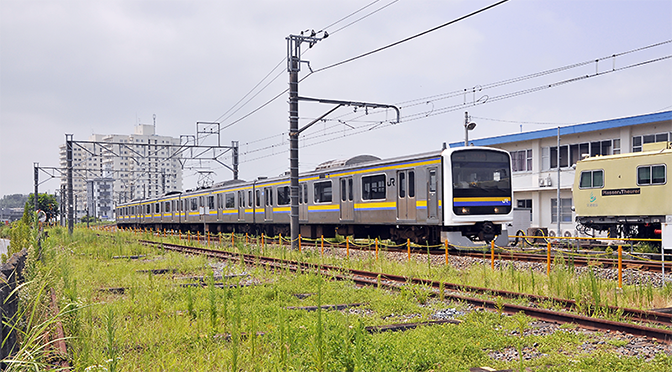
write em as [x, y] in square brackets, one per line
[627, 195]
[460, 195]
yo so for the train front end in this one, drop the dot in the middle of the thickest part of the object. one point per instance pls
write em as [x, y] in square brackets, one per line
[477, 196]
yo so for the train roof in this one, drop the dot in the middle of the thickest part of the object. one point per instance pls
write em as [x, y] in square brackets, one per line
[628, 155]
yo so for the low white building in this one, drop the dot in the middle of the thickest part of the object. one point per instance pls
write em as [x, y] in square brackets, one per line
[535, 162]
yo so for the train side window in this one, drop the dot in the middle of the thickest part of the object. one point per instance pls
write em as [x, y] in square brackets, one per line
[591, 179]
[283, 195]
[194, 204]
[305, 193]
[241, 196]
[322, 192]
[432, 180]
[258, 198]
[651, 175]
[350, 195]
[411, 184]
[402, 184]
[373, 187]
[167, 207]
[230, 201]
[249, 198]
[211, 202]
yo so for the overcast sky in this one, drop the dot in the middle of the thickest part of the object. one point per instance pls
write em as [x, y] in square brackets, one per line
[86, 67]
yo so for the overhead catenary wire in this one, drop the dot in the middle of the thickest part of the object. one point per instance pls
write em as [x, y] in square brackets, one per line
[410, 37]
[225, 117]
[374, 125]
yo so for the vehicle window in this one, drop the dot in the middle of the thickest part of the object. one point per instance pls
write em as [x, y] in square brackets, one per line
[230, 200]
[283, 195]
[591, 179]
[373, 187]
[651, 175]
[322, 192]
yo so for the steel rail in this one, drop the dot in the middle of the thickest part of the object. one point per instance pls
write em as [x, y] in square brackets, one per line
[663, 335]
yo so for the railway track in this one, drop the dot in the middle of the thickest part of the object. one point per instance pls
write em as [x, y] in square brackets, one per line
[570, 257]
[461, 293]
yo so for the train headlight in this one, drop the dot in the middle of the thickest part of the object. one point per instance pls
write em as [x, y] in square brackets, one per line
[496, 210]
[465, 210]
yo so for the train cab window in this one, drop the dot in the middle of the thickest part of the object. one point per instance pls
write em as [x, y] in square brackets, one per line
[591, 179]
[230, 201]
[283, 195]
[322, 192]
[373, 187]
[211, 202]
[651, 175]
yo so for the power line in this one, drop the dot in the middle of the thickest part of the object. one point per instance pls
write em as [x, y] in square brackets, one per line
[281, 72]
[411, 37]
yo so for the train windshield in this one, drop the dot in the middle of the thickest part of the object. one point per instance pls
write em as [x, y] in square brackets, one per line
[481, 182]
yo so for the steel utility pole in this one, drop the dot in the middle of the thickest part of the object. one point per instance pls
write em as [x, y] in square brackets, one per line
[68, 157]
[293, 67]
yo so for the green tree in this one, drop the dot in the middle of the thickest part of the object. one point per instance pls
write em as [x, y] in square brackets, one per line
[45, 202]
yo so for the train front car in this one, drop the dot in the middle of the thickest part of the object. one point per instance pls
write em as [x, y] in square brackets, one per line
[477, 194]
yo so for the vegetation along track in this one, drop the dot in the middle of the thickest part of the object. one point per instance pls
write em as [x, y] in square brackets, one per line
[458, 292]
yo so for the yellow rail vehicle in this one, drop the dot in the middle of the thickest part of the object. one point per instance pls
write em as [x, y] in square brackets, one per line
[628, 195]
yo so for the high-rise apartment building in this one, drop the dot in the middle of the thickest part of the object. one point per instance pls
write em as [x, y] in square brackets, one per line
[136, 166]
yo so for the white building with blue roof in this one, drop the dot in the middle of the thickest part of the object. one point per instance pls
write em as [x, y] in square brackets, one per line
[535, 163]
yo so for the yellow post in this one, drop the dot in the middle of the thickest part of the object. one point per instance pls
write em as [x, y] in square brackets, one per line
[322, 244]
[620, 267]
[347, 246]
[548, 258]
[280, 239]
[262, 242]
[246, 238]
[446, 244]
[188, 236]
[376, 249]
[208, 236]
[492, 254]
[408, 245]
[233, 241]
[299, 243]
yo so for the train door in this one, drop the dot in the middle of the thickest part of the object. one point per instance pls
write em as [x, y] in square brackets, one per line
[347, 206]
[268, 197]
[303, 202]
[406, 209]
[241, 205]
[432, 195]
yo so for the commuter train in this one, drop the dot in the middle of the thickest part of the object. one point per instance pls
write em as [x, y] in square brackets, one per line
[460, 195]
[626, 195]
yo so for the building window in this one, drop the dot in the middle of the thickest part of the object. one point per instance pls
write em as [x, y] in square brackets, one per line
[651, 175]
[521, 161]
[524, 203]
[322, 192]
[565, 210]
[639, 141]
[592, 179]
[373, 187]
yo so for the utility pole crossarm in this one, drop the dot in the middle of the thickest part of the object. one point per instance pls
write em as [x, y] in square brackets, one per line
[353, 103]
